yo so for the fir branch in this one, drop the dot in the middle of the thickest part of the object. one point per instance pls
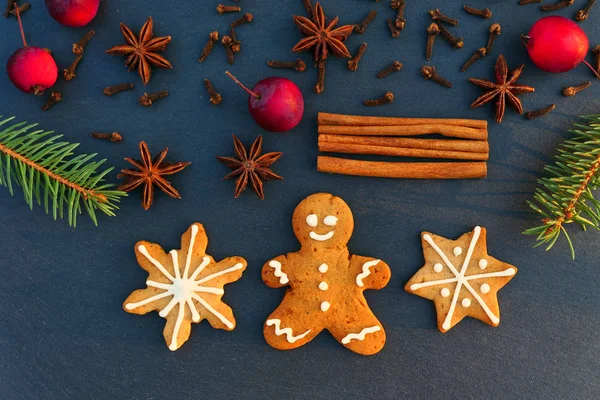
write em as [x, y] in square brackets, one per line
[48, 172]
[565, 194]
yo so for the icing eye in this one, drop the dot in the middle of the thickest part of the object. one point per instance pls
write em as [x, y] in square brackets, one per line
[312, 220]
[330, 220]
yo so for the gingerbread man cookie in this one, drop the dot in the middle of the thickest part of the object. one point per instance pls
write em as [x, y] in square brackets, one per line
[326, 282]
[461, 278]
[185, 286]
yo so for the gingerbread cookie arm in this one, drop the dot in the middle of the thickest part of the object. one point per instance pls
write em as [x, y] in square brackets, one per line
[371, 273]
[275, 272]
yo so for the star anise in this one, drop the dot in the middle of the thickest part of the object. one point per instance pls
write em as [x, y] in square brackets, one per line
[150, 172]
[142, 50]
[322, 38]
[503, 90]
[251, 166]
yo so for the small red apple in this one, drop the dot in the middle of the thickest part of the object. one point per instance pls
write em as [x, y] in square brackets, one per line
[75, 13]
[276, 104]
[31, 69]
[556, 44]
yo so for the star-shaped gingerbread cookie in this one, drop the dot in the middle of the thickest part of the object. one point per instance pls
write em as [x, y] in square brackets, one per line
[461, 278]
[185, 286]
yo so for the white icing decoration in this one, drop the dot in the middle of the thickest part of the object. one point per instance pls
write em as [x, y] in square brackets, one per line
[361, 335]
[445, 292]
[461, 280]
[312, 220]
[323, 268]
[330, 220]
[323, 286]
[483, 263]
[437, 267]
[184, 288]
[286, 331]
[365, 272]
[485, 288]
[283, 278]
[457, 251]
[325, 306]
[321, 238]
[466, 302]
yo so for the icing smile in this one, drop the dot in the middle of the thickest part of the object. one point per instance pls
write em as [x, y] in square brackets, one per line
[321, 238]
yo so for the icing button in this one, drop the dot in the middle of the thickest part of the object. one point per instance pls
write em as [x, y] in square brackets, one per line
[485, 288]
[323, 268]
[466, 302]
[445, 292]
[437, 267]
[325, 306]
[323, 286]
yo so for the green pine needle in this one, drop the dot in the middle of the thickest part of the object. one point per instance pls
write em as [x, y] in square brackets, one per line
[565, 193]
[51, 176]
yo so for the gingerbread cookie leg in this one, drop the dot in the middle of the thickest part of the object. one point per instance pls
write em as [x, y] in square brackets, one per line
[290, 326]
[363, 333]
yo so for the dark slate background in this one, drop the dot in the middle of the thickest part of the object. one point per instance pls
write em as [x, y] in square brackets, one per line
[63, 333]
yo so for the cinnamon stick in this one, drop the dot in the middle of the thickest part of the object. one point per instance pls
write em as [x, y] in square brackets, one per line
[328, 147]
[406, 130]
[407, 170]
[474, 146]
[357, 120]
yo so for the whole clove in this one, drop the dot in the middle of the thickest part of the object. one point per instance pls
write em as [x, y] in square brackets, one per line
[226, 42]
[298, 65]
[79, 46]
[222, 9]
[479, 53]
[235, 44]
[393, 67]
[148, 99]
[213, 38]
[393, 30]
[320, 86]
[10, 4]
[430, 73]
[55, 97]
[353, 62]
[360, 28]
[484, 13]
[557, 6]
[454, 41]
[541, 112]
[112, 90]
[573, 90]
[495, 30]
[214, 97]
[432, 32]
[387, 98]
[22, 8]
[399, 22]
[114, 137]
[437, 16]
[583, 14]
[246, 18]
[69, 73]
[596, 52]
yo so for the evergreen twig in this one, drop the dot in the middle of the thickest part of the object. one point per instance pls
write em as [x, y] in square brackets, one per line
[48, 172]
[565, 194]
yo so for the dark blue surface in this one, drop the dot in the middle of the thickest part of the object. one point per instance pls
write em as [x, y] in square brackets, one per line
[63, 333]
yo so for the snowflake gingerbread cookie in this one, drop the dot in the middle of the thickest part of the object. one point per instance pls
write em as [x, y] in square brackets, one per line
[185, 286]
[461, 278]
[326, 282]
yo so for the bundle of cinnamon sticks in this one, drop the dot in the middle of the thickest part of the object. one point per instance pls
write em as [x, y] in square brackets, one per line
[464, 141]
